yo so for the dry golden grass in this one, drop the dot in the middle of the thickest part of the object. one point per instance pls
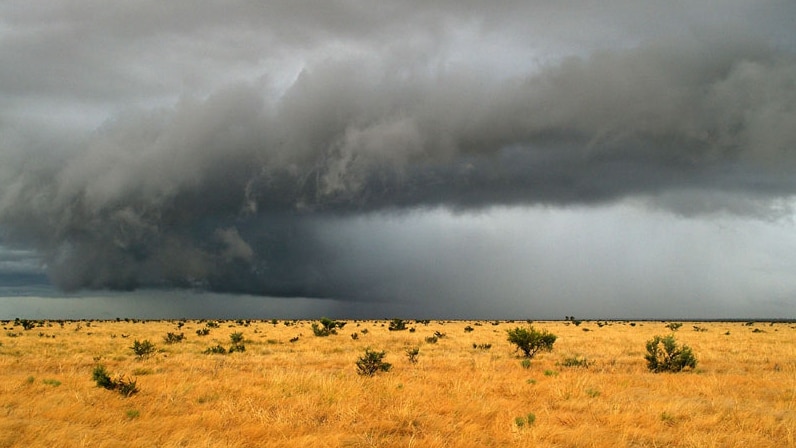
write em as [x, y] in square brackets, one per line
[308, 393]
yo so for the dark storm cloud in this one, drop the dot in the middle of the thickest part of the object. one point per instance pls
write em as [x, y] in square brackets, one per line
[228, 188]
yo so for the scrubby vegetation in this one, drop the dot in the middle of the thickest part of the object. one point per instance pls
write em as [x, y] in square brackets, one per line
[327, 327]
[467, 389]
[664, 355]
[531, 341]
[124, 386]
[372, 362]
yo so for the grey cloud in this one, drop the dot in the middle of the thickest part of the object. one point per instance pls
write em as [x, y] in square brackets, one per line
[229, 188]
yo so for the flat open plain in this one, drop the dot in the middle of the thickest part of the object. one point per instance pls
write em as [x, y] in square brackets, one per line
[308, 393]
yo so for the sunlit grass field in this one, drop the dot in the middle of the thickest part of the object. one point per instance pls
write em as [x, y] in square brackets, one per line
[460, 392]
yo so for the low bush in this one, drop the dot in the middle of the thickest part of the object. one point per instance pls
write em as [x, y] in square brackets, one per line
[143, 349]
[397, 325]
[412, 353]
[126, 387]
[372, 362]
[217, 350]
[173, 338]
[674, 326]
[664, 355]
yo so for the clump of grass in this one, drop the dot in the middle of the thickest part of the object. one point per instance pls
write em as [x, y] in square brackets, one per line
[593, 393]
[550, 373]
[482, 346]
[526, 363]
[529, 419]
[132, 413]
[51, 382]
[432, 339]
[575, 361]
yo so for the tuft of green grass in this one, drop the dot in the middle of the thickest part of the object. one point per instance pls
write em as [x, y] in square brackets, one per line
[529, 419]
[575, 361]
[132, 413]
[51, 382]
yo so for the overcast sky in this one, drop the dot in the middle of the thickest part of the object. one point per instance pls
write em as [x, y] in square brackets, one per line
[530, 159]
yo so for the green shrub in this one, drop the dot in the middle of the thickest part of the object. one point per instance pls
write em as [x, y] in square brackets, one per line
[432, 339]
[674, 326]
[372, 362]
[102, 378]
[526, 363]
[142, 349]
[126, 387]
[663, 355]
[397, 325]
[203, 332]
[327, 327]
[530, 341]
[412, 353]
[173, 338]
[236, 338]
[218, 349]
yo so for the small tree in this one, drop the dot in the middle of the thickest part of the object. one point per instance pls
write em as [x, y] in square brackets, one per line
[327, 327]
[372, 362]
[530, 341]
[663, 355]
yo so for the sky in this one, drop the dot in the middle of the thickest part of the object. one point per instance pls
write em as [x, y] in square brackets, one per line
[460, 160]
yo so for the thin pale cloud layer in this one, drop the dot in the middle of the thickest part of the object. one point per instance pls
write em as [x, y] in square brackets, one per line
[171, 146]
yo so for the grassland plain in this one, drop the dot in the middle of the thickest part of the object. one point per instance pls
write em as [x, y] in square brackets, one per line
[308, 393]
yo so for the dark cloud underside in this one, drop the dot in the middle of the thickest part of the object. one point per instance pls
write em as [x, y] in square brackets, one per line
[222, 181]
